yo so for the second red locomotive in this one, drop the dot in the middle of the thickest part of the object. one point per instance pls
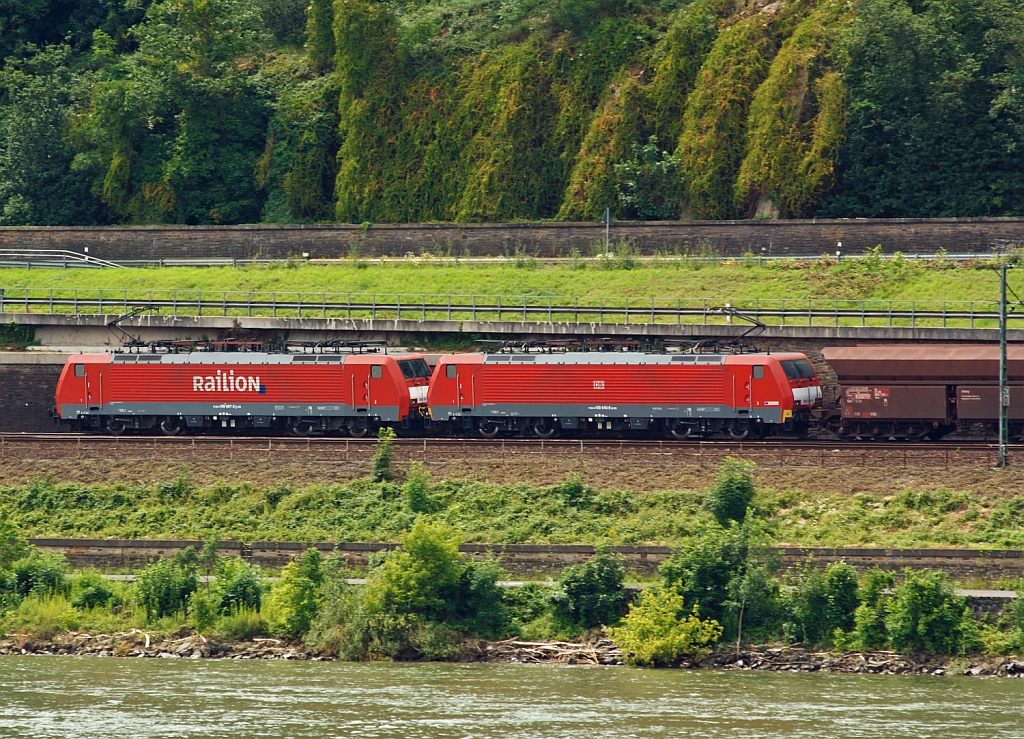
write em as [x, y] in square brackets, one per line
[680, 394]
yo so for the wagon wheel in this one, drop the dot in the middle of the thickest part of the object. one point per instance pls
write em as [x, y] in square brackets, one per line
[488, 429]
[544, 429]
[171, 426]
[116, 428]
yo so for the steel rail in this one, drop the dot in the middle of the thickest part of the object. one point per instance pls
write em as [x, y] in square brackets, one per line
[536, 309]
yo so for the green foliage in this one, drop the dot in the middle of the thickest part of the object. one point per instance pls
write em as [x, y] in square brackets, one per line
[163, 587]
[243, 623]
[417, 489]
[295, 597]
[14, 337]
[591, 594]
[713, 138]
[925, 615]
[825, 602]
[41, 573]
[383, 454]
[797, 119]
[239, 585]
[732, 492]
[286, 20]
[41, 182]
[701, 570]
[12, 546]
[414, 601]
[90, 590]
[174, 129]
[656, 632]
[649, 185]
[931, 86]
[869, 618]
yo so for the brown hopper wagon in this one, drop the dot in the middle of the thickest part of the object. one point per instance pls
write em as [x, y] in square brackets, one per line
[917, 391]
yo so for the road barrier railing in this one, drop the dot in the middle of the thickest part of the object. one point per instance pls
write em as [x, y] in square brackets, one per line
[501, 308]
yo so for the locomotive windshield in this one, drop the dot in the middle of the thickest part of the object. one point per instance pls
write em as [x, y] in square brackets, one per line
[414, 368]
[797, 369]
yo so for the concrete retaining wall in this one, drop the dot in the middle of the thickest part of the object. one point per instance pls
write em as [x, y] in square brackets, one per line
[731, 238]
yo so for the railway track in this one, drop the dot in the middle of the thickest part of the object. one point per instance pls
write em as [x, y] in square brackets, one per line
[778, 453]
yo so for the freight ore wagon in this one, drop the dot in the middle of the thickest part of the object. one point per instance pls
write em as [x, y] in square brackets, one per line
[681, 395]
[279, 392]
[922, 391]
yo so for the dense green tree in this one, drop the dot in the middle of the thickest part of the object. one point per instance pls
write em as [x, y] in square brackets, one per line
[933, 111]
[41, 183]
[176, 127]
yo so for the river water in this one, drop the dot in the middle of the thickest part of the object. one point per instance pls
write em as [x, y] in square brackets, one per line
[113, 698]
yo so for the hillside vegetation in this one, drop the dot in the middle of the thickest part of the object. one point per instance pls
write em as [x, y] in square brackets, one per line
[228, 111]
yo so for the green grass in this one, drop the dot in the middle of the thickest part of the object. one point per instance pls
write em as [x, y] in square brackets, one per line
[483, 512]
[853, 279]
[579, 287]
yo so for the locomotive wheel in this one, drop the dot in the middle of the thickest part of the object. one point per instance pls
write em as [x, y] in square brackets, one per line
[544, 429]
[681, 431]
[738, 435]
[358, 432]
[171, 426]
[303, 428]
[488, 429]
[116, 428]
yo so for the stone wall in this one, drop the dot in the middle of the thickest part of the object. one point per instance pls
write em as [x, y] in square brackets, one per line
[731, 238]
[27, 393]
[546, 560]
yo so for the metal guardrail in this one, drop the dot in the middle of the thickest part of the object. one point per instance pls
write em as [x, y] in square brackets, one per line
[52, 259]
[529, 309]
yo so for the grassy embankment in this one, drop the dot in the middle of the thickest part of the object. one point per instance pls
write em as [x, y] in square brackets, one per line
[518, 501]
[861, 278]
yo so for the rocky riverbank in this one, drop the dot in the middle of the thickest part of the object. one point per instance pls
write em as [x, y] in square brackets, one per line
[596, 652]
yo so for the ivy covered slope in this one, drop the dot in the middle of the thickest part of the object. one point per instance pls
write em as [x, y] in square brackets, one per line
[233, 111]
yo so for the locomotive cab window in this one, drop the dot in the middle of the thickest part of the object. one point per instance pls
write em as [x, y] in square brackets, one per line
[376, 371]
[451, 370]
[413, 369]
[758, 372]
[79, 370]
[797, 369]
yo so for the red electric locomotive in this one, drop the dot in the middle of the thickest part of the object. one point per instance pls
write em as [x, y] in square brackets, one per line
[683, 395]
[295, 393]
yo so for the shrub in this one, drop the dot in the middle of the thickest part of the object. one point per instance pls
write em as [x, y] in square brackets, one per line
[732, 492]
[164, 587]
[239, 585]
[655, 632]
[42, 573]
[592, 593]
[90, 590]
[296, 595]
[12, 547]
[417, 489]
[702, 569]
[825, 601]
[383, 454]
[202, 611]
[926, 615]
[575, 493]
[869, 618]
